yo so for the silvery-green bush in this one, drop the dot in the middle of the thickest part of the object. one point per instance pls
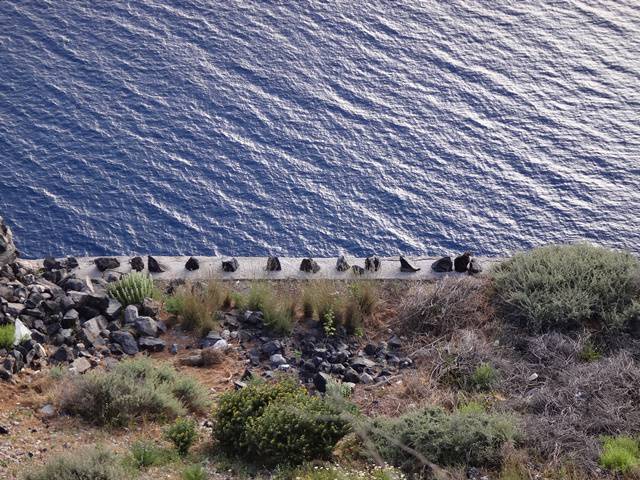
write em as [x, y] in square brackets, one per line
[566, 287]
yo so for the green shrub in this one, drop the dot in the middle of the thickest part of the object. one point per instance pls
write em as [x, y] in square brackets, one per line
[279, 423]
[91, 464]
[7, 336]
[589, 353]
[620, 454]
[145, 454]
[136, 388]
[569, 287]
[483, 377]
[132, 289]
[194, 472]
[455, 439]
[182, 434]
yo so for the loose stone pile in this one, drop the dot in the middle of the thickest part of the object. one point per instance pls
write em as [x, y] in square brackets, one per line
[69, 320]
[309, 352]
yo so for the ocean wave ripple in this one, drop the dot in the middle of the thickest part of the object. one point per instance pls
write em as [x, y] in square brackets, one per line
[219, 127]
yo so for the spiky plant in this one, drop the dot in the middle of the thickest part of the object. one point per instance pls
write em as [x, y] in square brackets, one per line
[132, 288]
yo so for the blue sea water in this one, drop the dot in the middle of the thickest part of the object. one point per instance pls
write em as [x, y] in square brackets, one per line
[308, 127]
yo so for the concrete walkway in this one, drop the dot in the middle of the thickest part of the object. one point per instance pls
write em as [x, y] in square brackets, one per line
[254, 268]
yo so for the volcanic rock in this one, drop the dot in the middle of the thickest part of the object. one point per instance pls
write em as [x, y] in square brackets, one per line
[126, 341]
[153, 265]
[230, 265]
[357, 270]
[309, 265]
[461, 263]
[146, 326]
[372, 263]
[137, 264]
[8, 251]
[442, 265]
[192, 264]
[341, 264]
[406, 267]
[151, 344]
[106, 263]
[474, 266]
[273, 264]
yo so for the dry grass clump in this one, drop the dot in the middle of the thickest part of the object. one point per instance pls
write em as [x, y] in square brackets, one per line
[567, 416]
[96, 463]
[196, 305]
[343, 304]
[450, 304]
[279, 307]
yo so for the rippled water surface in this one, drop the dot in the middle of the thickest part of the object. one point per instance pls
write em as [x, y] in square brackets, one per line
[249, 127]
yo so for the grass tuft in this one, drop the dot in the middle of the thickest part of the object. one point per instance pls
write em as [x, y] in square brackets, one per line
[7, 336]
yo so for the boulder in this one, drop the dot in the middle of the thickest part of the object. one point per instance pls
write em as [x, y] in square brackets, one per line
[320, 381]
[309, 265]
[106, 263]
[71, 263]
[137, 264]
[406, 267]
[8, 252]
[151, 344]
[126, 341]
[81, 365]
[474, 266]
[153, 265]
[146, 326]
[130, 314]
[150, 307]
[442, 265]
[230, 265]
[113, 310]
[341, 264]
[372, 263]
[273, 264]
[358, 270]
[277, 359]
[50, 263]
[461, 263]
[192, 264]
[70, 319]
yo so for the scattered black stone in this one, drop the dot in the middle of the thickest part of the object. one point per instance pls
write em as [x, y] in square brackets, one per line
[4, 430]
[71, 263]
[153, 265]
[406, 267]
[273, 264]
[442, 265]
[151, 344]
[106, 263]
[230, 265]
[51, 263]
[394, 343]
[137, 264]
[320, 381]
[461, 263]
[126, 341]
[357, 270]
[474, 266]
[341, 264]
[309, 265]
[192, 264]
[372, 263]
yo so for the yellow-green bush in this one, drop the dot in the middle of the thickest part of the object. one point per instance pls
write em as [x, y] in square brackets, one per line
[565, 287]
[196, 306]
[620, 454]
[182, 433]
[7, 335]
[279, 423]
